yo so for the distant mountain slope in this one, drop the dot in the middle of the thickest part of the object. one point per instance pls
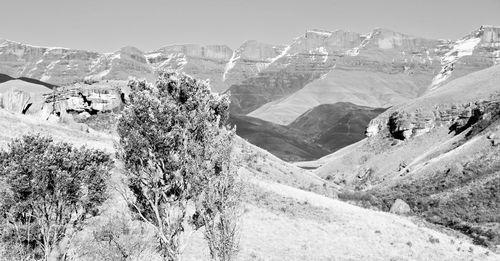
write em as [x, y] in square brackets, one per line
[387, 68]
[284, 142]
[314, 134]
[336, 125]
[5, 78]
[278, 83]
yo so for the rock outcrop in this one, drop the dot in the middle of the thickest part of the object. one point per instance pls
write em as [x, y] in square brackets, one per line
[85, 99]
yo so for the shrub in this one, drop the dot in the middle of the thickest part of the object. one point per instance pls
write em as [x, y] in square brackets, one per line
[48, 190]
[176, 148]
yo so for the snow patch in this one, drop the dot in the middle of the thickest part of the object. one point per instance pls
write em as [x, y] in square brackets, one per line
[496, 56]
[230, 64]
[153, 55]
[281, 55]
[321, 32]
[464, 47]
[46, 76]
[322, 50]
[355, 51]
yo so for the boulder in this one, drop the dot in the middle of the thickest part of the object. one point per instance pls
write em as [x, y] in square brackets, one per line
[400, 207]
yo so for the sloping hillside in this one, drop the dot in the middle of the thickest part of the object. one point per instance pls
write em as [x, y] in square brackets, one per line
[279, 221]
[438, 152]
[337, 125]
[316, 133]
[282, 141]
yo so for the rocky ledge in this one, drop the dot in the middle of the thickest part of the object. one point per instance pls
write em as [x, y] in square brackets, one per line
[403, 125]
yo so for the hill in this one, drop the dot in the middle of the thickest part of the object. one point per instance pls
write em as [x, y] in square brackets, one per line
[337, 125]
[282, 141]
[5, 78]
[438, 152]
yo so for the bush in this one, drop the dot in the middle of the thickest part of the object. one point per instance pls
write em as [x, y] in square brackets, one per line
[48, 190]
[176, 148]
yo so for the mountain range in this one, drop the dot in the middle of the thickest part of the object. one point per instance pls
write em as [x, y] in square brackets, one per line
[290, 90]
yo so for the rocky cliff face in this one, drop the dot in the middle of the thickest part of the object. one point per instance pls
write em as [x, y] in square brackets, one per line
[249, 60]
[404, 125]
[306, 59]
[62, 66]
[203, 62]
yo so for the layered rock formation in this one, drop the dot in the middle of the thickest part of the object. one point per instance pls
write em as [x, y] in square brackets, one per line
[249, 60]
[86, 99]
[62, 66]
[202, 62]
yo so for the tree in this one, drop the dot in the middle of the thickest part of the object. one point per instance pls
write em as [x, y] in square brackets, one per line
[49, 190]
[168, 134]
[218, 205]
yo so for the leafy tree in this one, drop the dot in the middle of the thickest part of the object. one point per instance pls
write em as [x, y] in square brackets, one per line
[169, 132]
[48, 190]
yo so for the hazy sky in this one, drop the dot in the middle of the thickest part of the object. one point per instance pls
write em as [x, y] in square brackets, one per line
[106, 25]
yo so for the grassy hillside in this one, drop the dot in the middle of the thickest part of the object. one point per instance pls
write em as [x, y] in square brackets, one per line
[280, 220]
[447, 170]
[337, 125]
[282, 141]
[316, 133]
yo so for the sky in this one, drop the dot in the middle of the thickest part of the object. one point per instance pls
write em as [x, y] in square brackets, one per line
[107, 25]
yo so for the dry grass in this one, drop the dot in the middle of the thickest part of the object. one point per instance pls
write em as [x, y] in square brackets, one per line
[280, 222]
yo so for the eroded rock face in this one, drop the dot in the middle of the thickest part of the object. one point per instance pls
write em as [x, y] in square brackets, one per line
[85, 99]
[404, 125]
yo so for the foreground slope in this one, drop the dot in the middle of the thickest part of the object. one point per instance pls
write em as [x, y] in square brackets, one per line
[280, 221]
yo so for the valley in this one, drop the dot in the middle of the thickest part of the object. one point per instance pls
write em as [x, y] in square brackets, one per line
[350, 146]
